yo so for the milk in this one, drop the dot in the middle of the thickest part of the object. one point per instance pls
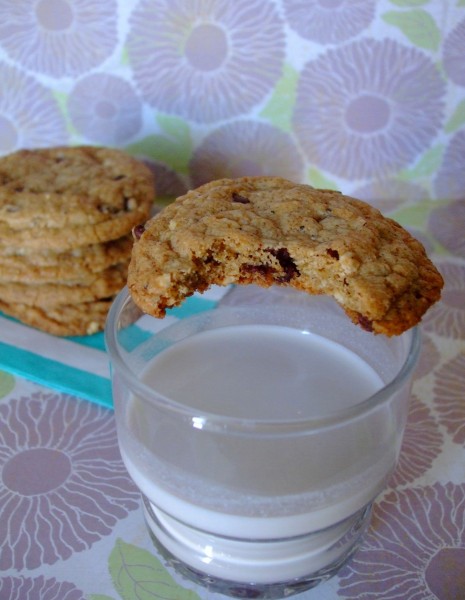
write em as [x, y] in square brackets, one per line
[264, 372]
[212, 481]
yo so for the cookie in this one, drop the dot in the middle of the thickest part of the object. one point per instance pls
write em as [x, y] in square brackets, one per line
[67, 197]
[268, 230]
[77, 264]
[103, 285]
[67, 319]
[71, 186]
[60, 240]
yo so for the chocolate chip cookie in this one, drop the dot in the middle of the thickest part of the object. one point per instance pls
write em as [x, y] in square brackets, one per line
[64, 197]
[49, 266]
[71, 186]
[101, 285]
[80, 318]
[271, 231]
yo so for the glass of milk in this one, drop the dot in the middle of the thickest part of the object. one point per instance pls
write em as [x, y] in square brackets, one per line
[258, 434]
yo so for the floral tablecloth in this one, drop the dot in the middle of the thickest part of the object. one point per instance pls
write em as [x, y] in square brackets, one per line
[361, 95]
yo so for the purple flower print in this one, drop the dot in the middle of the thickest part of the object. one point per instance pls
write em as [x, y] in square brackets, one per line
[447, 224]
[205, 61]
[56, 37]
[453, 54]
[429, 356]
[450, 181]
[329, 21]
[368, 108]
[105, 109]
[421, 445]
[447, 317]
[167, 182]
[246, 148]
[422, 237]
[29, 116]
[39, 588]
[63, 485]
[415, 548]
[448, 397]
[388, 194]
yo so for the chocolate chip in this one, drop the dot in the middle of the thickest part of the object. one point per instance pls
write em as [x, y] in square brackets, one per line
[137, 231]
[261, 269]
[119, 177]
[365, 323]
[210, 260]
[333, 253]
[240, 199]
[286, 263]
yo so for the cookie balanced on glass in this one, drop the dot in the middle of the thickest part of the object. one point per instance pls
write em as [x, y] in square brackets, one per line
[261, 432]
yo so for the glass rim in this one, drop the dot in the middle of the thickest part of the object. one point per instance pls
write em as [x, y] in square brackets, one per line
[225, 423]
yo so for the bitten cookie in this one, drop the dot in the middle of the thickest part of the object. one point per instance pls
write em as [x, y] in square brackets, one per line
[268, 230]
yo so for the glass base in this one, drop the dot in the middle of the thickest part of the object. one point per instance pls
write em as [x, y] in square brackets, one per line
[255, 568]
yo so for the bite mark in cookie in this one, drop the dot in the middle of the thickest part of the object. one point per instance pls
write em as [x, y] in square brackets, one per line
[267, 230]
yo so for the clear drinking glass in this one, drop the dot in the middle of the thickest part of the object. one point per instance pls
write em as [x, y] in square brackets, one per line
[259, 435]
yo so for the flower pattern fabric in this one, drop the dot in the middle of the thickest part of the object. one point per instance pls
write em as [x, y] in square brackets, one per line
[421, 445]
[39, 588]
[29, 114]
[447, 317]
[105, 109]
[169, 183]
[429, 358]
[389, 194]
[327, 21]
[415, 548]
[368, 108]
[450, 180]
[448, 391]
[56, 37]
[246, 148]
[362, 96]
[205, 61]
[372, 93]
[453, 54]
[63, 484]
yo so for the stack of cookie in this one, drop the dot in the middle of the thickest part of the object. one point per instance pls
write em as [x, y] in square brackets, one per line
[66, 216]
